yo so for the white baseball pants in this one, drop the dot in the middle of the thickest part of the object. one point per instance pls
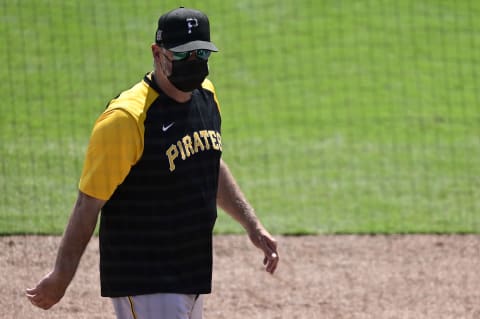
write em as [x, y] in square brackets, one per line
[159, 306]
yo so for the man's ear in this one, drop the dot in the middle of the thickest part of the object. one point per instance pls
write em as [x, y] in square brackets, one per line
[156, 51]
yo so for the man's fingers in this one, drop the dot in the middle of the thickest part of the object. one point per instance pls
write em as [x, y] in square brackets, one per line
[269, 247]
[34, 298]
[37, 299]
[39, 302]
[32, 294]
[271, 262]
[30, 291]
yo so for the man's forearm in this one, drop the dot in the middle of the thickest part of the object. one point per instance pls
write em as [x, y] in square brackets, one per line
[77, 235]
[231, 199]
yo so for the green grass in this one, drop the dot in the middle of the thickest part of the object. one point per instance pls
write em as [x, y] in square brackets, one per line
[337, 118]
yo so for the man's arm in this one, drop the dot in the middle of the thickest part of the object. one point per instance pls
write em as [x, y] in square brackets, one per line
[77, 234]
[231, 199]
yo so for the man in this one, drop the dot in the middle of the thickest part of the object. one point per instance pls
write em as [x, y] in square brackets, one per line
[154, 169]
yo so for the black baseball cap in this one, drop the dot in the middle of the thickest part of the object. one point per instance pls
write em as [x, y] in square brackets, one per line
[183, 30]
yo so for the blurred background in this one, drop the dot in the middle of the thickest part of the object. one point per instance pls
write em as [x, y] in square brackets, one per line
[338, 116]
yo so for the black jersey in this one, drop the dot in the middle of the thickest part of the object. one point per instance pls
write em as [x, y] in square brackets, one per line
[156, 228]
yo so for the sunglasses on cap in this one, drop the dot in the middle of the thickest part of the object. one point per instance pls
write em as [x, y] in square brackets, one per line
[202, 54]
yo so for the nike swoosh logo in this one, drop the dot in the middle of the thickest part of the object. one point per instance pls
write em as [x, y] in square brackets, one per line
[165, 128]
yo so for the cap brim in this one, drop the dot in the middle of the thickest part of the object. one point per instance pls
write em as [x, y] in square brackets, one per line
[194, 45]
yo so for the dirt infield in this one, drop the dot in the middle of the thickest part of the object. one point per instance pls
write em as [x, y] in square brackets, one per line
[319, 277]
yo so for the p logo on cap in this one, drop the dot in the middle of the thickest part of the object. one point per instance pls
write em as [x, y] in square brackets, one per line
[191, 23]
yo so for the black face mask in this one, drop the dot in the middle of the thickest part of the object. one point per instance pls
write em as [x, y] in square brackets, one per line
[188, 75]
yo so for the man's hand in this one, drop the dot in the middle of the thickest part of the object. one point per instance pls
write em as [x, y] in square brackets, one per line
[48, 291]
[262, 239]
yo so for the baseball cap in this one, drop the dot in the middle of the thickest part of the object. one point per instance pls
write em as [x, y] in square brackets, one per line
[183, 30]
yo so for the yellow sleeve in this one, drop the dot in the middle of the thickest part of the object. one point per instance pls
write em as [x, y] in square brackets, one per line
[208, 85]
[115, 145]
